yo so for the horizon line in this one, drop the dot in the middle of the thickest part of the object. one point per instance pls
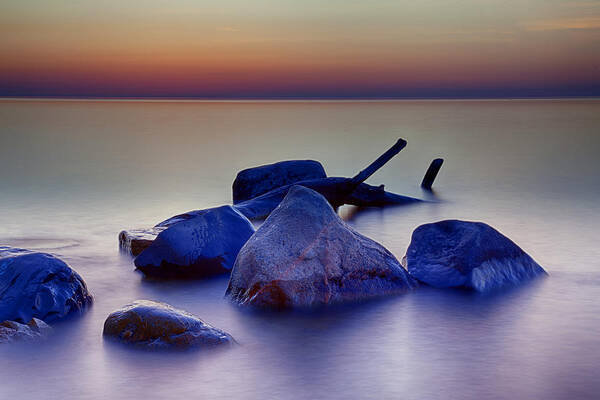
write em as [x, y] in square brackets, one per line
[287, 98]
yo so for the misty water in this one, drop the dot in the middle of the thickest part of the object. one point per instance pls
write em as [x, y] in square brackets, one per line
[75, 173]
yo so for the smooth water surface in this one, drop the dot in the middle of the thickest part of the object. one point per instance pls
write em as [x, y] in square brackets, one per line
[75, 173]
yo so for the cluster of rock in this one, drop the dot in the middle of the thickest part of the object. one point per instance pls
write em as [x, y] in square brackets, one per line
[303, 255]
[36, 288]
[206, 242]
[280, 177]
[295, 257]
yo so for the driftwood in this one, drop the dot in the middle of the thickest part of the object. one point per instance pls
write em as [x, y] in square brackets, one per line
[338, 191]
[380, 162]
[375, 196]
[363, 196]
[431, 173]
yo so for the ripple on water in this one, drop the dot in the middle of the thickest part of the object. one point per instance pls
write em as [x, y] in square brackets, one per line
[43, 244]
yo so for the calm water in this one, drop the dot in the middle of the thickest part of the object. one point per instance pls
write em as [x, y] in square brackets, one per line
[73, 174]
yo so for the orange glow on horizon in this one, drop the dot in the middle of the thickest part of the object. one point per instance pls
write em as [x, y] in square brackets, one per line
[163, 50]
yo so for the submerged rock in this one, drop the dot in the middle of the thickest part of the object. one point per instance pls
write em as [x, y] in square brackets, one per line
[205, 244]
[305, 255]
[466, 254]
[38, 285]
[155, 325]
[253, 182]
[35, 329]
[134, 241]
[364, 196]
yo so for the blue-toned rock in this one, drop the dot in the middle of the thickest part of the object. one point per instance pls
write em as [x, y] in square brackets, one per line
[153, 325]
[38, 285]
[305, 255]
[466, 254]
[134, 241]
[204, 245]
[253, 182]
[11, 331]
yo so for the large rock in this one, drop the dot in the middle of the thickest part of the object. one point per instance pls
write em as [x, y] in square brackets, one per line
[38, 285]
[204, 245]
[305, 255]
[134, 241]
[465, 254]
[253, 182]
[155, 325]
[11, 331]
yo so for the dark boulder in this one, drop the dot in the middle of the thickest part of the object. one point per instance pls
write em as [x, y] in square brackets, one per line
[154, 325]
[11, 331]
[38, 285]
[305, 255]
[466, 254]
[253, 182]
[204, 245]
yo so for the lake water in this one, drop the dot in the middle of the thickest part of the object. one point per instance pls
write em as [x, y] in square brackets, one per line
[75, 173]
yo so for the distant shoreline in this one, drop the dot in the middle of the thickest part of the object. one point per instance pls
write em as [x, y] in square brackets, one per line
[286, 99]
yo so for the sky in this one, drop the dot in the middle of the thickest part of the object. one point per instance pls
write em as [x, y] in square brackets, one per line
[300, 49]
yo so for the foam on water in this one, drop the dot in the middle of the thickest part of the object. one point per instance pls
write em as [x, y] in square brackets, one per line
[494, 274]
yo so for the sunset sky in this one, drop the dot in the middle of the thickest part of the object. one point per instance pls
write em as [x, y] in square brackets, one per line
[293, 48]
